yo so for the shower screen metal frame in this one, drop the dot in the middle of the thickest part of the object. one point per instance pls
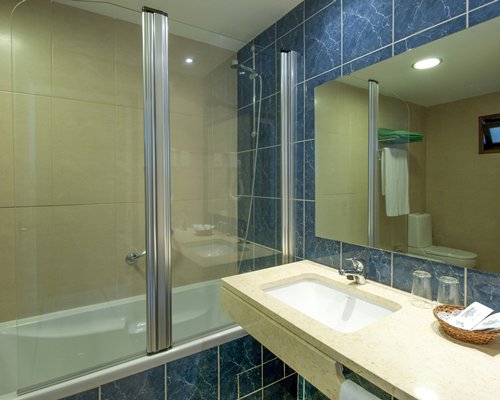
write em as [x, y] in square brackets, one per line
[288, 138]
[157, 180]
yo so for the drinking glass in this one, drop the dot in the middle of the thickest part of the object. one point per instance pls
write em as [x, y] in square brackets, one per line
[448, 290]
[421, 289]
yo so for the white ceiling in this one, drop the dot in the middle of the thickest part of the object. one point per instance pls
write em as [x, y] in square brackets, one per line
[470, 68]
[237, 19]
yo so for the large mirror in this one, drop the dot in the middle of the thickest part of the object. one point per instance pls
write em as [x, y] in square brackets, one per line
[437, 193]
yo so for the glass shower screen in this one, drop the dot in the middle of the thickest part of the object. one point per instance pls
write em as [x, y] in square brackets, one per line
[76, 97]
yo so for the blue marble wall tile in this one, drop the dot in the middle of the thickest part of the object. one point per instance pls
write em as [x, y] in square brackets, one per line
[313, 6]
[245, 172]
[254, 396]
[299, 170]
[92, 394]
[245, 53]
[290, 20]
[243, 210]
[266, 215]
[194, 377]
[377, 262]
[309, 170]
[483, 287]
[309, 100]
[368, 60]
[266, 262]
[272, 371]
[403, 267]
[293, 40]
[245, 126]
[368, 386]
[249, 381]
[309, 392]
[430, 35]
[317, 249]
[322, 45]
[267, 175]
[478, 3]
[235, 357]
[246, 266]
[265, 38]
[268, 123]
[266, 67]
[367, 26]
[285, 389]
[299, 134]
[144, 385]
[413, 16]
[245, 86]
[484, 14]
[267, 355]
[299, 229]
[288, 370]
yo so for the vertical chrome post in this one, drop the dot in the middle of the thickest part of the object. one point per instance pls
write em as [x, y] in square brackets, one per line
[372, 162]
[157, 159]
[288, 135]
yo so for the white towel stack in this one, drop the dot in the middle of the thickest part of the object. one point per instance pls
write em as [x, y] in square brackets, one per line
[395, 181]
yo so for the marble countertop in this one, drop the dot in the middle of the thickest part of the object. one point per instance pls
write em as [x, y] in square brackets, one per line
[405, 353]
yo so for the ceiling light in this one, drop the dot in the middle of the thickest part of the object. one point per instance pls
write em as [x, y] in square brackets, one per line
[188, 60]
[427, 63]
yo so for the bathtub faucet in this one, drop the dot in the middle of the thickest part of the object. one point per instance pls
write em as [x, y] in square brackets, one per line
[357, 271]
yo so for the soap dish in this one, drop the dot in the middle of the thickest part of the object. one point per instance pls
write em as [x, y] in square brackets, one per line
[476, 337]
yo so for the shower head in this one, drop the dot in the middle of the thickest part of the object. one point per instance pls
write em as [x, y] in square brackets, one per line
[236, 65]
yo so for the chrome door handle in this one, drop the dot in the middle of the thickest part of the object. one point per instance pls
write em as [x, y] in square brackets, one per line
[132, 257]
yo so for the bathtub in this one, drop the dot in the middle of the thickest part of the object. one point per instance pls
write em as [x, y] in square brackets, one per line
[81, 339]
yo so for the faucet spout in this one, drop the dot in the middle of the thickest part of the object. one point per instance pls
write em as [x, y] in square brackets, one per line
[356, 272]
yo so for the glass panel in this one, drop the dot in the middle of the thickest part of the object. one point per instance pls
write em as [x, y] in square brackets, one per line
[204, 201]
[78, 202]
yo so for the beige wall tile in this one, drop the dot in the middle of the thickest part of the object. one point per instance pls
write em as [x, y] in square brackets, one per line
[6, 7]
[83, 151]
[130, 237]
[6, 151]
[32, 47]
[188, 133]
[83, 55]
[33, 250]
[129, 155]
[128, 54]
[7, 266]
[186, 95]
[32, 150]
[82, 269]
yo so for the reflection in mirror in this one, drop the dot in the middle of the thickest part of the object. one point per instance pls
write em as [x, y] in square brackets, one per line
[437, 194]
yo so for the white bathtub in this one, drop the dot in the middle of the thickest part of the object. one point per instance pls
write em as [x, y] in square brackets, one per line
[65, 343]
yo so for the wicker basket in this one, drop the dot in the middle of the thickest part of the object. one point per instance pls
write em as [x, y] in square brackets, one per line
[476, 337]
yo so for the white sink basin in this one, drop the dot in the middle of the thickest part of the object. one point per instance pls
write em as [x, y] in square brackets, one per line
[334, 307]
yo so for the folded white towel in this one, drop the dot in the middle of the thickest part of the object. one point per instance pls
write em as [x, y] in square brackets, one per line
[351, 391]
[395, 181]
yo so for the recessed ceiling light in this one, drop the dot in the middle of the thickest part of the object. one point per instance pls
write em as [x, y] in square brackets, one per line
[427, 63]
[188, 60]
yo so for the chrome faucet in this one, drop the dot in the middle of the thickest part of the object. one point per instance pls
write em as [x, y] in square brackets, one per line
[357, 271]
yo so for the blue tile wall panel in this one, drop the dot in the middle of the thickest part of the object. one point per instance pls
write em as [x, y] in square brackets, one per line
[322, 40]
[290, 21]
[483, 287]
[194, 377]
[367, 26]
[145, 385]
[411, 17]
